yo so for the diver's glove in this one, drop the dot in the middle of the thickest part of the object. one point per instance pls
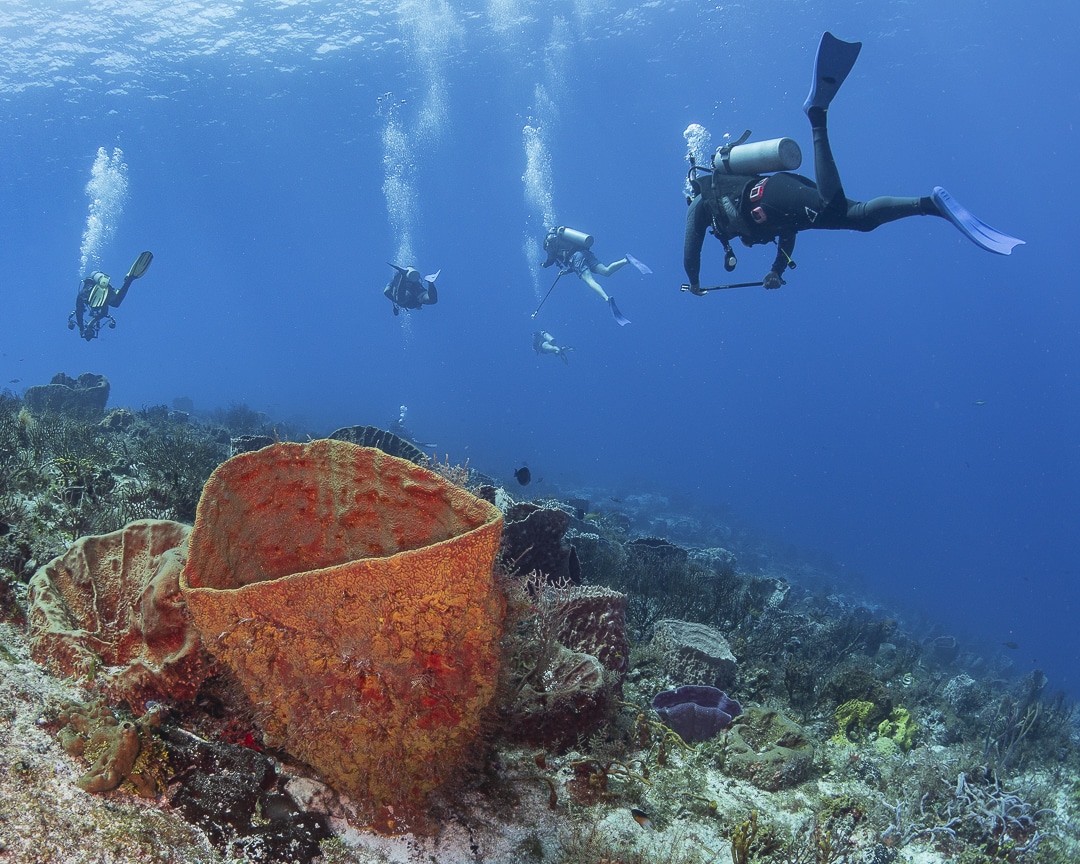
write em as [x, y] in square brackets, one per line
[772, 280]
[698, 290]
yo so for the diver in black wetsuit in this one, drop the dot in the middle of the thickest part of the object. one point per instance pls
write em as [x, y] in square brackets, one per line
[759, 209]
[97, 295]
[408, 290]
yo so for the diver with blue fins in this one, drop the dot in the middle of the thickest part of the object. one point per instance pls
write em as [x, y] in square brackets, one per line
[98, 294]
[572, 251]
[749, 193]
[407, 290]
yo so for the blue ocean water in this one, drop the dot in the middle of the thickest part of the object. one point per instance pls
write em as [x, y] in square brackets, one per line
[907, 403]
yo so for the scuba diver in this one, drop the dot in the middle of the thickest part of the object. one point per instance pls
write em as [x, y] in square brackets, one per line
[408, 291]
[544, 343]
[734, 198]
[572, 251]
[398, 427]
[96, 293]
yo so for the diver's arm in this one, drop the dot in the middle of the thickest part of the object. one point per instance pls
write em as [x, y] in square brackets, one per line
[697, 223]
[785, 245]
[80, 303]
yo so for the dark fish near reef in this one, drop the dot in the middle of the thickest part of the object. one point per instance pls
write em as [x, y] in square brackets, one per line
[523, 475]
[641, 817]
[14, 380]
[1010, 644]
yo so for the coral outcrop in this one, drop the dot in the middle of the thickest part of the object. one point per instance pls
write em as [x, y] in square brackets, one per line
[593, 621]
[113, 745]
[567, 651]
[694, 653]
[352, 594]
[533, 540]
[109, 610]
[388, 442]
[83, 398]
[768, 749]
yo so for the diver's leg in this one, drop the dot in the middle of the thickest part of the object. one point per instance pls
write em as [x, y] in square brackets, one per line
[608, 269]
[826, 174]
[868, 215]
[587, 277]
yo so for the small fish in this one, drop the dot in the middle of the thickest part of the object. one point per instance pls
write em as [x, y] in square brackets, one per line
[616, 500]
[979, 402]
[523, 475]
[641, 817]
[14, 380]
[1010, 644]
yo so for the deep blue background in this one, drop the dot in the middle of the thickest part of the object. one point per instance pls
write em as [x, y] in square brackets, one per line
[844, 412]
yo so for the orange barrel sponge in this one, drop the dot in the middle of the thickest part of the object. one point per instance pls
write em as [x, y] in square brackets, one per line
[352, 594]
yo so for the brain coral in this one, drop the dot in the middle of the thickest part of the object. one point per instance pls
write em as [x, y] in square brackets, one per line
[109, 609]
[352, 594]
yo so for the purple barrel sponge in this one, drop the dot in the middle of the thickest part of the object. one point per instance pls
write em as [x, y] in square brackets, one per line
[695, 711]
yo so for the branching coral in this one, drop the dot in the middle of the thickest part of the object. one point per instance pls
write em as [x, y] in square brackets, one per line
[999, 820]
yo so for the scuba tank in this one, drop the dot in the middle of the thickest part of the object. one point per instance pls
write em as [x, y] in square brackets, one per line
[761, 157]
[568, 238]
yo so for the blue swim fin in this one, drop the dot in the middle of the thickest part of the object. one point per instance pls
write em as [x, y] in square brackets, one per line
[972, 227]
[620, 319]
[835, 58]
[641, 268]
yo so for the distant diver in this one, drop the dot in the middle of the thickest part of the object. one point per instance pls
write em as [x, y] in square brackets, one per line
[97, 293]
[398, 427]
[572, 251]
[407, 290]
[739, 196]
[544, 343]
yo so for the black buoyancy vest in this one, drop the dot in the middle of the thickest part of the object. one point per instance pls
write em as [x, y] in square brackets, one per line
[728, 221]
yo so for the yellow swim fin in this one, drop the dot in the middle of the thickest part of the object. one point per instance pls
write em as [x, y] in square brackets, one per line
[141, 265]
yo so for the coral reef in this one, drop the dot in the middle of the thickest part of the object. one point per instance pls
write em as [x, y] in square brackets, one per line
[959, 759]
[352, 595]
[109, 611]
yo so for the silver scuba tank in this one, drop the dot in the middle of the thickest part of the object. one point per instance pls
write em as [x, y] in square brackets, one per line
[760, 157]
[576, 238]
